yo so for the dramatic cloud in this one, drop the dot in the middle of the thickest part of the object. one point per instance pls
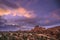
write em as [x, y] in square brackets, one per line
[9, 3]
[26, 13]
[31, 12]
[56, 14]
[18, 11]
[4, 12]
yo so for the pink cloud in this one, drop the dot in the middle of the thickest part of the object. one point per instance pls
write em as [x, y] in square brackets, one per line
[47, 21]
[24, 12]
[55, 14]
[4, 11]
[19, 11]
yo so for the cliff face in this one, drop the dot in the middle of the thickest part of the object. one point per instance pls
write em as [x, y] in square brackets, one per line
[53, 32]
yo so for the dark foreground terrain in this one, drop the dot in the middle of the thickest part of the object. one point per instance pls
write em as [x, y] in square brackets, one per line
[38, 33]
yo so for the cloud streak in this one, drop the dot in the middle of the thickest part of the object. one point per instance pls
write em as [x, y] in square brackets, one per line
[4, 12]
[18, 11]
[42, 12]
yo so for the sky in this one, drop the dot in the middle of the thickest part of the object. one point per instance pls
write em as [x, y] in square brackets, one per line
[31, 12]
